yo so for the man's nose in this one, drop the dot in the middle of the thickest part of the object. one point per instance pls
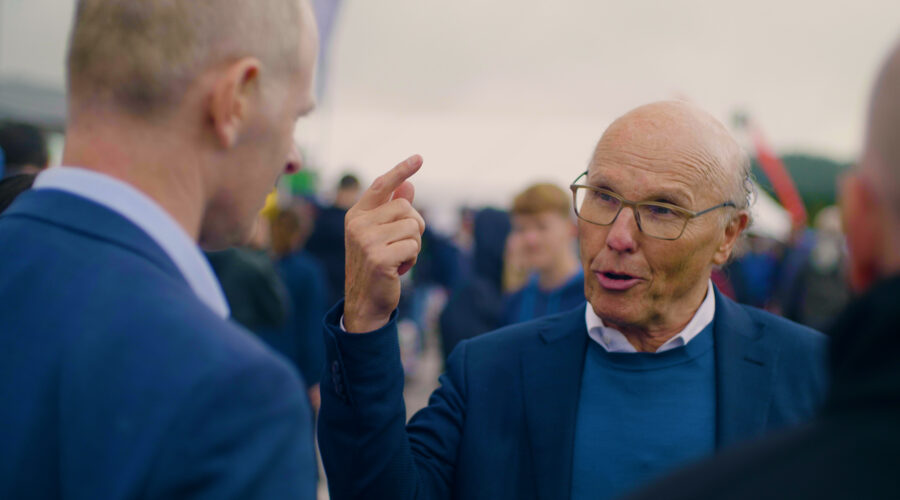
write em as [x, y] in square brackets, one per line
[294, 162]
[623, 232]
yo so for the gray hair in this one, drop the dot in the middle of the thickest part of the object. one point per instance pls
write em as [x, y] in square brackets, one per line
[143, 55]
[743, 189]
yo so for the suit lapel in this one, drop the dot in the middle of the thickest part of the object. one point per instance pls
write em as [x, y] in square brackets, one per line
[77, 214]
[745, 368]
[551, 373]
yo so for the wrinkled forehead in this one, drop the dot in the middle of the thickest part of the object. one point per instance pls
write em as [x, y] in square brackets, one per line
[664, 144]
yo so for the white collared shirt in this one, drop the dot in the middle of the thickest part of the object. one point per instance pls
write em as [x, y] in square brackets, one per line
[146, 214]
[614, 341]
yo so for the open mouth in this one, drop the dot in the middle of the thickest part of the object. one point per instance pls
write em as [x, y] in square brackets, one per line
[616, 281]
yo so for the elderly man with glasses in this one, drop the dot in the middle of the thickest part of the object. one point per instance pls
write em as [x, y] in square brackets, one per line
[658, 368]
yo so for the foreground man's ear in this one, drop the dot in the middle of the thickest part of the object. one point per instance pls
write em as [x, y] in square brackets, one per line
[733, 231]
[863, 221]
[233, 94]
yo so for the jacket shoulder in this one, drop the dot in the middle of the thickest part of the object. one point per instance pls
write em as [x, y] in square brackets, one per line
[509, 341]
[786, 332]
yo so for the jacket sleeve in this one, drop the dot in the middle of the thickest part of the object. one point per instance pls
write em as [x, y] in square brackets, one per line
[245, 433]
[367, 448]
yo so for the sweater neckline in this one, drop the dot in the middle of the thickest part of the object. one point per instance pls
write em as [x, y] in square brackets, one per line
[649, 361]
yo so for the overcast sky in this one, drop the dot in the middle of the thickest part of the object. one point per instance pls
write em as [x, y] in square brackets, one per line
[498, 93]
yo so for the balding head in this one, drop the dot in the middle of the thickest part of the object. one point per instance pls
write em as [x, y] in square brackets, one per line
[193, 102]
[882, 155]
[683, 133]
[662, 204]
[870, 196]
[142, 56]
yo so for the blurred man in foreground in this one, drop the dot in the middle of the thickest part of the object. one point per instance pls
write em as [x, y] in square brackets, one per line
[852, 450]
[659, 369]
[122, 376]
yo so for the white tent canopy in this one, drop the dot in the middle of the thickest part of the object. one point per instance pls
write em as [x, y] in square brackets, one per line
[769, 219]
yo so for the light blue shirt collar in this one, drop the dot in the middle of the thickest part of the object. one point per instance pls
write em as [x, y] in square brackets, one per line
[146, 214]
[614, 341]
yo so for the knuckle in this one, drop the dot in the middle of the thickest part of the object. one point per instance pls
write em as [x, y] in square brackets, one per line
[403, 204]
[378, 183]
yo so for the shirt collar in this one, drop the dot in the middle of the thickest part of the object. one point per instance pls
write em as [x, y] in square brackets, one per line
[614, 341]
[146, 214]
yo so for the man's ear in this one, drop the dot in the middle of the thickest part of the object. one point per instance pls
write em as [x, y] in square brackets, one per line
[863, 221]
[232, 98]
[733, 231]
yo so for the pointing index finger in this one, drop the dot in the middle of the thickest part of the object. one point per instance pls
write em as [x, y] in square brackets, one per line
[381, 190]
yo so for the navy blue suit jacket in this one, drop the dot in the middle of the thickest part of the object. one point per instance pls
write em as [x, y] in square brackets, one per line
[502, 424]
[117, 382]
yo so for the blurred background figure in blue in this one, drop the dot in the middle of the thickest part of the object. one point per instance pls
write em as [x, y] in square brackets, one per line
[543, 236]
[11, 187]
[327, 239]
[476, 305]
[820, 289]
[307, 287]
[23, 149]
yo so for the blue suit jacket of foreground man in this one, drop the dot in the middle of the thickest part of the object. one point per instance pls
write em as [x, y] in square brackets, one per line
[502, 424]
[121, 376]
[117, 382]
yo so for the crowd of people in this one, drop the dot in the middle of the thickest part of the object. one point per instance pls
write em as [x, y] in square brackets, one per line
[621, 336]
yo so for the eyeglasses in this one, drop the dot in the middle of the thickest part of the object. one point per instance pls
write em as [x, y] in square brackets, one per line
[659, 220]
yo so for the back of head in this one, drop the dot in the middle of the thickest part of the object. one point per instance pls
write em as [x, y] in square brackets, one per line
[291, 227]
[348, 191]
[24, 147]
[540, 198]
[870, 197]
[883, 134]
[142, 56]
[348, 181]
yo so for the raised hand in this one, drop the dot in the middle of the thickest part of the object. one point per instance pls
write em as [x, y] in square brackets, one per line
[383, 235]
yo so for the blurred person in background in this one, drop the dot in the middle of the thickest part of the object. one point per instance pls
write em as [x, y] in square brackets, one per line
[544, 236]
[852, 449]
[424, 294]
[820, 290]
[12, 187]
[657, 370]
[754, 273]
[24, 149]
[476, 306]
[307, 287]
[326, 242]
[122, 375]
[256, 296]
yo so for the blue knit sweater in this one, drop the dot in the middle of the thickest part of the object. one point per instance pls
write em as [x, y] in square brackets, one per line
[640, 414]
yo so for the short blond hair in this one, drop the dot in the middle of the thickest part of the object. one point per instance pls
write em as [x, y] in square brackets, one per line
[540, 198]
[143, 55]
